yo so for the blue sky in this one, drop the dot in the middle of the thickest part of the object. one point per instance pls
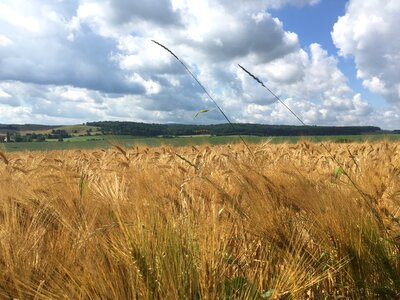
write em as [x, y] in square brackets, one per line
[314, 24]
[66, 62]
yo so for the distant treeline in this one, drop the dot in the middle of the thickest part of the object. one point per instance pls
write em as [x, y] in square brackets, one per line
[38, 137]
[150, 130]
[25, 127]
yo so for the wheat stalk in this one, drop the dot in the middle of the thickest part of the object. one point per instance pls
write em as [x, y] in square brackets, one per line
[340, 165]
[205, 91]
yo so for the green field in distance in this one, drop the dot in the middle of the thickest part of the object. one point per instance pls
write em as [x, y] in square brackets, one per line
[90, 142]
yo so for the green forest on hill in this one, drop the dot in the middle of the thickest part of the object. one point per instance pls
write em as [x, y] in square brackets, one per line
[151, 130]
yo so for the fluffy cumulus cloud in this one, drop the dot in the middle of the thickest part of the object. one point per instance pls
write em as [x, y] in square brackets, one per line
[254, 5]
[309, 82]
[369, 33]
[82, 60]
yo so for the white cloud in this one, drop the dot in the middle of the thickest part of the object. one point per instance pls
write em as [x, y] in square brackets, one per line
[3, 94]
[375, 85]
[369, 32]
[260, 5]
[12, 115]
[313, 86]
[58, 50]
[5, 41]
[82, 60]
[16, 13]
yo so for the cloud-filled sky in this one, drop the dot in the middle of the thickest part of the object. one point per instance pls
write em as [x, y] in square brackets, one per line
[73, 61]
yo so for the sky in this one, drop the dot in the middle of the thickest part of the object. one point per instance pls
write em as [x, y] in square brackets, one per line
[333, 62]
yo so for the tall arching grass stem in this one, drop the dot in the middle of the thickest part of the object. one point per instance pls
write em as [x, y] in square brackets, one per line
[204, 90]
[340, 165]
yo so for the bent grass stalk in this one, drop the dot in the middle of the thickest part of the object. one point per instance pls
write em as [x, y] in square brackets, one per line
[204, 90]
[340, 166]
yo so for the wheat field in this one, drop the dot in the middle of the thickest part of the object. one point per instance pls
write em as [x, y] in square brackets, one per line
[206, 222]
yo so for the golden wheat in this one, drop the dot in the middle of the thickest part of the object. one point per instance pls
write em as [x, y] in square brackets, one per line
[201, 223]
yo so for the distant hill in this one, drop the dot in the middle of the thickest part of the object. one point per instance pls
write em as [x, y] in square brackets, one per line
[43, 129]
[11, 128]
[151, 130]
[170, 130]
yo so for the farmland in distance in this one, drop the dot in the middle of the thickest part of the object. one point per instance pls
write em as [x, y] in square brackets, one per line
[106, 141]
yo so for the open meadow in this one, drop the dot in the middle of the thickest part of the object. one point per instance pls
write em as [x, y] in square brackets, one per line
[107, 141]
[202, 222]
